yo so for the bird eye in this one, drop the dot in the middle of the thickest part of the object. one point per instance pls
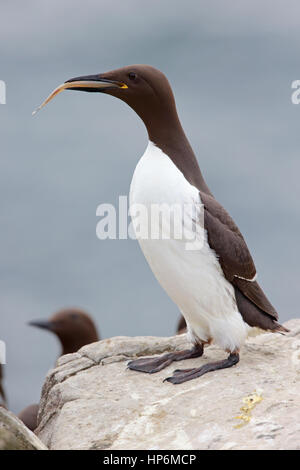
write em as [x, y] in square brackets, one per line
[132, 76]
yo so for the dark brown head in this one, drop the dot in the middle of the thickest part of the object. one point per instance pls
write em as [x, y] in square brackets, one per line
[73, 327]
[147, 91]
[144, 88]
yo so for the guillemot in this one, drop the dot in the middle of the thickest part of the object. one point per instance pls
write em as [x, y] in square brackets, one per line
[2, 392]
[214, 287]
[74, 328]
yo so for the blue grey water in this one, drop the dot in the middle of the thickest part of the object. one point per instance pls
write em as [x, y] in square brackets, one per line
[231, 65]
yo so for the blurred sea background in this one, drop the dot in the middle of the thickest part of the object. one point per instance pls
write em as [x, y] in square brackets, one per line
[231, 65]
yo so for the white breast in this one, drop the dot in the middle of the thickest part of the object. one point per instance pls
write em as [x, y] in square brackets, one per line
[193, 279]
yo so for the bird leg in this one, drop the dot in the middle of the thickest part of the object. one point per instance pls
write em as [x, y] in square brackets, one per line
[152, 365]
[183, 375]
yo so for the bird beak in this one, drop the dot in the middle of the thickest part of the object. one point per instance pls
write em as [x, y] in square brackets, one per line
[93, 83]
[44, 324]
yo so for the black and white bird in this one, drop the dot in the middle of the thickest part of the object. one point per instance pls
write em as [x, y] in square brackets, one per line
[214, 287]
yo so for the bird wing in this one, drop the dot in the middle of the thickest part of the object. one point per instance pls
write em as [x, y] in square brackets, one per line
[233, 254]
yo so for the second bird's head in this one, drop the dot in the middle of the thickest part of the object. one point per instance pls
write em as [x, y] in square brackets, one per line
[73, 327]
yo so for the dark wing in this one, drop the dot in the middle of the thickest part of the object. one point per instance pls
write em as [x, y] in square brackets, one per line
[225, 238]
[254, 292]
[234, 257]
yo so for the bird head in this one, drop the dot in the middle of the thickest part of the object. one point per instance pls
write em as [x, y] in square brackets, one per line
[144, 88]
[73, 327]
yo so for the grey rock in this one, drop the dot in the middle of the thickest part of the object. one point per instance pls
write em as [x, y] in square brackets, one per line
[92, 401]
[15, 436]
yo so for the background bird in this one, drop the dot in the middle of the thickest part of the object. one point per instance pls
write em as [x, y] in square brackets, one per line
[181, 325]
[2, 392]
[74, 328]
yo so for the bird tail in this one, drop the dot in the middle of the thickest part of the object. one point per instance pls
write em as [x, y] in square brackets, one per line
[255, 316]
[280, 329]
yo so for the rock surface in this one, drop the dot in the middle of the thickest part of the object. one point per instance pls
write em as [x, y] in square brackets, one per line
[14, 435]
[91, 401]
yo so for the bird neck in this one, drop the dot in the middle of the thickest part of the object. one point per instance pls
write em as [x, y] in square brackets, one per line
[74, 343]
[167, 134]
[69, 347]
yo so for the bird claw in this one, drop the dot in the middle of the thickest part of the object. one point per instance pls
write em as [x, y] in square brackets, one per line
[183, 375]
[150, 365]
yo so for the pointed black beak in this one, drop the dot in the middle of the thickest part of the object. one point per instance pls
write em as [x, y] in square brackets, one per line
[94, 83]
[44, 324]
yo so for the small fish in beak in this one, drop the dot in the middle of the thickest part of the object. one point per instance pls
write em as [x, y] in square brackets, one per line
[86, 84]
